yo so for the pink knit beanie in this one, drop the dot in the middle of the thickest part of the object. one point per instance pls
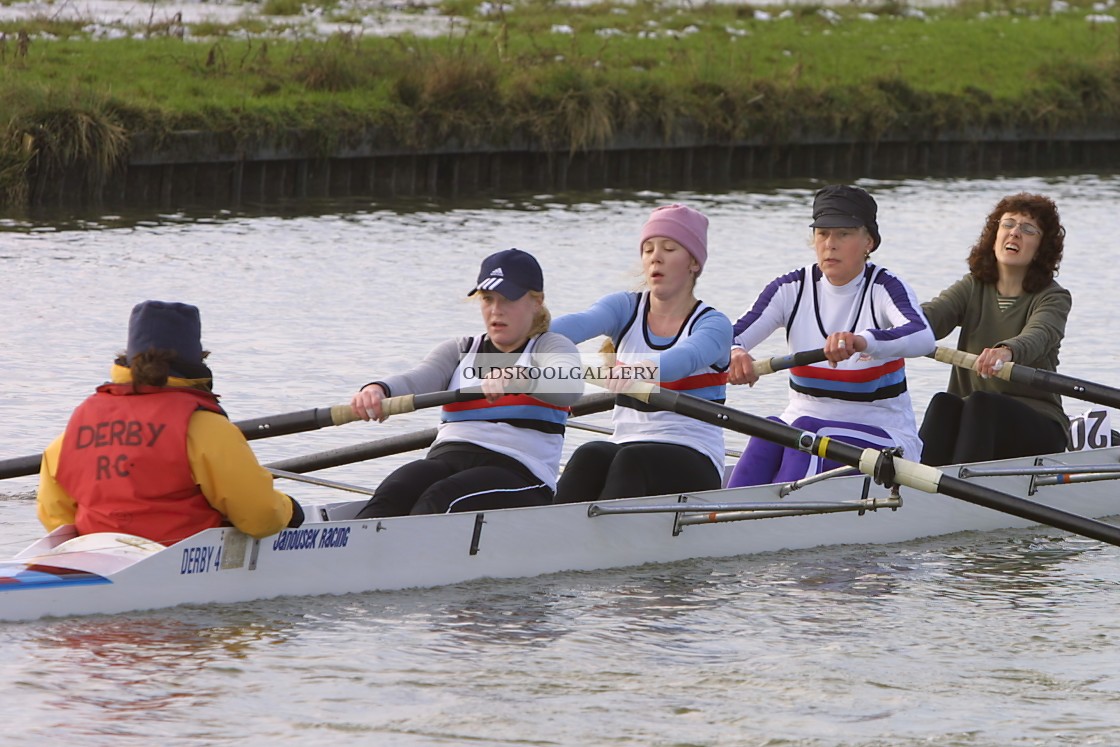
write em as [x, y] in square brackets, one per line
[683, 225]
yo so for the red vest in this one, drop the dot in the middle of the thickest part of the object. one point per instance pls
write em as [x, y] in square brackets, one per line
[124, 462]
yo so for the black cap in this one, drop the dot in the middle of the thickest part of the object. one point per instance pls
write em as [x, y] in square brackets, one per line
[513, 273]
[843, 206]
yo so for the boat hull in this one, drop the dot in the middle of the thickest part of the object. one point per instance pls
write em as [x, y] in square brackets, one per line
[333, 556]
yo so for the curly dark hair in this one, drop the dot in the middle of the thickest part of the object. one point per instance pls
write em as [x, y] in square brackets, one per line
[982, 259]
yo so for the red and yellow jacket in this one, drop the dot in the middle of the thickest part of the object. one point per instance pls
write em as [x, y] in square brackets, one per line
[163, 465]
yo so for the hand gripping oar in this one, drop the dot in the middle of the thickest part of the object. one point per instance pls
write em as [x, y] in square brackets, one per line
[290, 422]
[782, 362]
[1047, 381]
[400, 444]
[881, 465]
[309, 420]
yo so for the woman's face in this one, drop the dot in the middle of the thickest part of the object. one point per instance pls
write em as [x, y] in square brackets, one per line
[842, 252]
[668, 267]
[508, 322]
[1017, 240]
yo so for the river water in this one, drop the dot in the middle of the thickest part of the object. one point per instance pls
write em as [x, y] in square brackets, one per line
[1006, 638]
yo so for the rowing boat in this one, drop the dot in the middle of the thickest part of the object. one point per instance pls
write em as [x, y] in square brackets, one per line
[334, 553]
[64, 574]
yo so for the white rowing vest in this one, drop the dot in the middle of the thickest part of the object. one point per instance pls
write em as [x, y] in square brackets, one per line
[636, 421]
[858, 390]
[537, 439]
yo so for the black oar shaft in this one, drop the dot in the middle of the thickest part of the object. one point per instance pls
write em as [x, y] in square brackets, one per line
[287, 423]
[322, 417]
[587, 404]
[1057, 383]
[295, 422]
[1024, 509]
[20, 466]
[266, 427]
[358, 452]
[384, 447]
[873, 462]
[1047, 381]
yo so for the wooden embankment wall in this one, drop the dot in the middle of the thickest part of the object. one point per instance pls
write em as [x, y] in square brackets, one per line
[194, 168]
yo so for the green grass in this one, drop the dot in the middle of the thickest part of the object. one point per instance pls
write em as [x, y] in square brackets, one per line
[636, 68]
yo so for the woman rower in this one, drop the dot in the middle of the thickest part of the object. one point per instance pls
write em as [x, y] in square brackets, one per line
[1009, 309]
[500, 452]
[653, 452]
[867, 321]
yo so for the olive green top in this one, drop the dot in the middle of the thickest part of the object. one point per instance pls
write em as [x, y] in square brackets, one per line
[1032, 328]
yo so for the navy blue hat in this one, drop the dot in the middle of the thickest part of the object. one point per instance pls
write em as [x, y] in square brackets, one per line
[165, 325]
[513, 273]
[842, 206]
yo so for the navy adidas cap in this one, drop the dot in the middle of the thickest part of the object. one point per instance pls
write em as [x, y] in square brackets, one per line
[513, 273]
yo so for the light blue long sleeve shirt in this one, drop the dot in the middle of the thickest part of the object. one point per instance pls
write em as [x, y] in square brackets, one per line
[708, 345]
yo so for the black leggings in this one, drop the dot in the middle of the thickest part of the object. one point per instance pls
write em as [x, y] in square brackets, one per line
[456, 477]
[602, 470]
[985, 426]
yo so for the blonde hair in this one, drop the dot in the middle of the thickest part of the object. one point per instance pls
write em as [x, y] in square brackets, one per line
[543, 318]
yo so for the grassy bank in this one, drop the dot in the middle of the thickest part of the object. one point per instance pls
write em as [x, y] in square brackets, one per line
[566, 77]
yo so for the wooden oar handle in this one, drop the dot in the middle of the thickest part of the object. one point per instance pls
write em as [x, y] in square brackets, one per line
[409, 402]
[342, 414]
[968, 360]
[641, 390]
[783, 362]
[391, 406]
[636, 388]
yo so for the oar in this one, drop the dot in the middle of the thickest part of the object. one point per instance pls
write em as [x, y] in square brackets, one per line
[296, 422]
[604, 430]
[782, 362]
[879, 464]
[288, 423]
[1048, 381]
[321, 482]
[586, 405]
[19, 466]
[357, 453]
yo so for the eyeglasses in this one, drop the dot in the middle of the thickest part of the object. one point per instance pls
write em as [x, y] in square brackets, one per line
[1026, 228]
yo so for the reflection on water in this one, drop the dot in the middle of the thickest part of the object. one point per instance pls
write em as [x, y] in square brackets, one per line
[895, 643]
[475, 617]
[136, 671]
[1028, 573]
